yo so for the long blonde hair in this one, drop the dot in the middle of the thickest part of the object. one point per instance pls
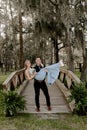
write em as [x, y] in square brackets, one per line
[25, 63]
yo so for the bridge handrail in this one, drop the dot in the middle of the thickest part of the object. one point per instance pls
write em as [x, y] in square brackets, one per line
[68, 77]
[15, 78]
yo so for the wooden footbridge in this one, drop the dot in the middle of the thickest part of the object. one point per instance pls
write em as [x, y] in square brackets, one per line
[59, 92]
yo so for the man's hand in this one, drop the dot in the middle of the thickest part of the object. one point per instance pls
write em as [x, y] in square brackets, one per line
[42, 65]
[45, 70]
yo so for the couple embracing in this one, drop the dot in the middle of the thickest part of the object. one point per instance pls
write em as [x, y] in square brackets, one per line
[39, 74]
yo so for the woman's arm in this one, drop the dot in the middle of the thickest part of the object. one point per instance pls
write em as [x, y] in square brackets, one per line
[29, 77]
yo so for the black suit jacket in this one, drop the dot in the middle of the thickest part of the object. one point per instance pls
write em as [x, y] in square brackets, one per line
[38, 68]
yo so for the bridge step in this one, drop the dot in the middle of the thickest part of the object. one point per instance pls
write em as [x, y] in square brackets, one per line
[58, 102]
[43, 109]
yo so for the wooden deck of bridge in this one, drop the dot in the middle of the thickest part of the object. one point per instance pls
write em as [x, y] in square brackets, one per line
[58, 101]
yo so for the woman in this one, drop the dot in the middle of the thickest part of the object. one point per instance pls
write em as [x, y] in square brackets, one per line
[28, 71]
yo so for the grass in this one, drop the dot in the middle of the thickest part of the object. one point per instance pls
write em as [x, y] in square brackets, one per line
[3, 76]
[79, 74]
[35, 122]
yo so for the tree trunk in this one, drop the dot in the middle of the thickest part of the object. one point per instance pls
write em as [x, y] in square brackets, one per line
[21, 41]
[84, 68]
[70, 59]
[56, 50]
[14, 35]
[56, 55]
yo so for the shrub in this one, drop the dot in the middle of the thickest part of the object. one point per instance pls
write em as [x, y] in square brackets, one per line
[79, 94]
[12, 102]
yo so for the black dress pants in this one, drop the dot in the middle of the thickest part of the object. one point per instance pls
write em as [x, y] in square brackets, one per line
[41, 85]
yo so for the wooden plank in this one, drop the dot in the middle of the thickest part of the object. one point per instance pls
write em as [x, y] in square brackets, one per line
[66, 94]
[43, 109]
[12, 79]
[58, 102]
[69, 82]
[22, 87]
[71, 75]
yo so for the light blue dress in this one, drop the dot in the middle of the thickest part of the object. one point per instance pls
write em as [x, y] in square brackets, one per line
[51, 75]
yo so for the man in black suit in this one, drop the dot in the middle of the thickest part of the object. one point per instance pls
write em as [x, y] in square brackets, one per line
[40, 85]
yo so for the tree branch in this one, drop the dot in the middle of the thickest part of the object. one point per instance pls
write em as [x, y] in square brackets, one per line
[61, 47]
[59, 43]
[53, 3]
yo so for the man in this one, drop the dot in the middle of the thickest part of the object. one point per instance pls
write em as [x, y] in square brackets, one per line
[40, 84]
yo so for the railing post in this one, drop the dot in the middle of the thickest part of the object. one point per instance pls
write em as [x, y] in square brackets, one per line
[14, 80]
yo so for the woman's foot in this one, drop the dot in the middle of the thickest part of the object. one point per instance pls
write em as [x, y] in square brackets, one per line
[61, 63]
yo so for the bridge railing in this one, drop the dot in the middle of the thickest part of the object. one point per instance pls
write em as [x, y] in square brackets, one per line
[14, 80]
[68, 78]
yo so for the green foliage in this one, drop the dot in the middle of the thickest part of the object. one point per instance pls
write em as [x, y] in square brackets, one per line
[79, 94]
[44, 122]
[78, 73]
[12, 102]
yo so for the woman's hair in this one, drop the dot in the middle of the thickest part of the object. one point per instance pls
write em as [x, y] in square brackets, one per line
[25, 63]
